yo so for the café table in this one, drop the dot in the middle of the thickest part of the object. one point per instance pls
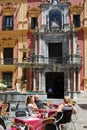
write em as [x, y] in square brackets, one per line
[54, 105]
[49, 112]
[33, 122]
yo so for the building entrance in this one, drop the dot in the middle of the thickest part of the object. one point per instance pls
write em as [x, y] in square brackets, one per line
[55, 85]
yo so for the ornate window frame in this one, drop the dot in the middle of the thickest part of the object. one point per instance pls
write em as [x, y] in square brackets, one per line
[75, 10]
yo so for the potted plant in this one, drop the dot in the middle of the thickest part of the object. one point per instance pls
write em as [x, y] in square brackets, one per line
[3, 85]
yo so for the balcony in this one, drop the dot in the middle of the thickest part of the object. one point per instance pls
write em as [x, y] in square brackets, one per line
[39, 61]
[74, 60]
[8, 63]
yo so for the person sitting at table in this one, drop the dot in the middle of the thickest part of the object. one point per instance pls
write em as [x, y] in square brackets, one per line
[67, 103]
[39, 103]
[31, 106]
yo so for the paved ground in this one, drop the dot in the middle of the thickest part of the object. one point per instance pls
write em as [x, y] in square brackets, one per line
[81, 123]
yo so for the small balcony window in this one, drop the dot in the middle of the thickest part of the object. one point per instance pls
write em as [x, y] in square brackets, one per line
[34, 22]
[76, 20]
[7, 23]
[24, 56]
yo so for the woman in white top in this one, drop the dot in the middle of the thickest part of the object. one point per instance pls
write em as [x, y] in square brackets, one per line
[31, 106]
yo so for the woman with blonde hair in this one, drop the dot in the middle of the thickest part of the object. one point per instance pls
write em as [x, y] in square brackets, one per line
[67, 103]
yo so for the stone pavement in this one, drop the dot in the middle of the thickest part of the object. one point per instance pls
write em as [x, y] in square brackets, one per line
[81, 123]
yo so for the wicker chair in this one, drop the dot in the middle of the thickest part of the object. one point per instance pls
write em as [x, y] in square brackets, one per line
[48, 124]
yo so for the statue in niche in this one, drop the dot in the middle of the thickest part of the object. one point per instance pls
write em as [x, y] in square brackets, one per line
[54, 25]
[78, 52]
[54, 2]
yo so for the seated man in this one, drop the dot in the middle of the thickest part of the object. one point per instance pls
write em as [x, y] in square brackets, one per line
[38, 102]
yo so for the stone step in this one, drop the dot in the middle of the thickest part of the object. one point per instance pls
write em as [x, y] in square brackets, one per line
[83, 94]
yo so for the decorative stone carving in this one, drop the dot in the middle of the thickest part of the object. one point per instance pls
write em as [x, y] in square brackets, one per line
[8, 10]
[54, 2]
[76, 9]
[34, 12]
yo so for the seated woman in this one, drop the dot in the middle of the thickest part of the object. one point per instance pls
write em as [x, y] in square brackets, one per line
[31, 106]
[67, 103]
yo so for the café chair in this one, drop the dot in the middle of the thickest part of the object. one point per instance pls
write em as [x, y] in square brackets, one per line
[20, 113]
[66, 119]
[17, 105]
[1, 128]
[2, 124]
[48, 124]
[58, 116]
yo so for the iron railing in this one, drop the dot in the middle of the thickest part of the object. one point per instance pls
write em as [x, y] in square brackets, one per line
[68, 59]
[8, 61]
[40, 59]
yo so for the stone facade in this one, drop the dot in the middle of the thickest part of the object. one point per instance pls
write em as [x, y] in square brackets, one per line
[40, 39]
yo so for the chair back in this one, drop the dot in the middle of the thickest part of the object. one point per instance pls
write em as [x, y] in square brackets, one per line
[67, 113]
[48, 124]
[20, 113]
[2, 123]
[18, 103]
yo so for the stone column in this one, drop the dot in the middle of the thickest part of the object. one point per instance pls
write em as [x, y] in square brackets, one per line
[78, 81]
[62, 22]
[2, 60]
[40, 79]
[34, 82]
[40, 46]
[74, 81]
[69, 81]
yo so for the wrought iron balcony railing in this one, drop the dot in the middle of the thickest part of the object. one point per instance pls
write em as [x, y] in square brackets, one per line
[8, 61]
[40, 61]
[74, 59]
[68, 59]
